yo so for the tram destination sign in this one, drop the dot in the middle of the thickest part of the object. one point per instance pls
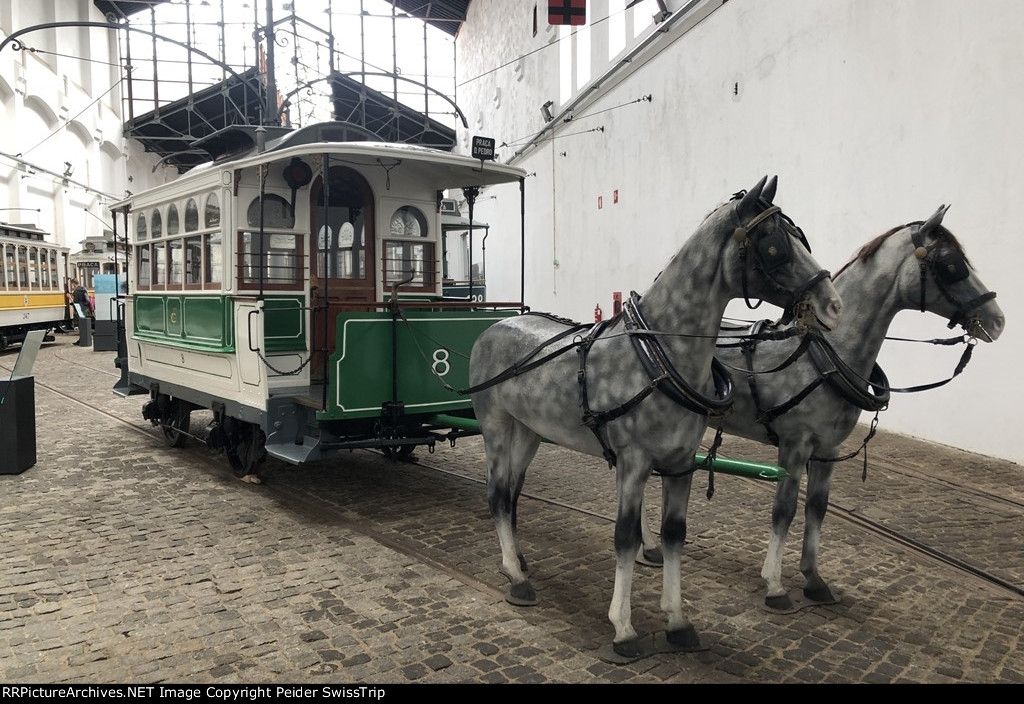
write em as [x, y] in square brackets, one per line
[483, 148]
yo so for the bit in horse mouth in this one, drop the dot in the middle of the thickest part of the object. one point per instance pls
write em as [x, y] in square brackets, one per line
[805, 315]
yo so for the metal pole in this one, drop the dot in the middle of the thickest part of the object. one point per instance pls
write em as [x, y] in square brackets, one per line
[271, 115]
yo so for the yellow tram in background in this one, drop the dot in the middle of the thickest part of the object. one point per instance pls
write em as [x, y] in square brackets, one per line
[33, 284]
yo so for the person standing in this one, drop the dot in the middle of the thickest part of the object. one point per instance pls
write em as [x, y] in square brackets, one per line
[80, 295]
[83, 310]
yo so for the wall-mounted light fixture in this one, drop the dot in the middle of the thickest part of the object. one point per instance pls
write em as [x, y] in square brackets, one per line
[545, 110]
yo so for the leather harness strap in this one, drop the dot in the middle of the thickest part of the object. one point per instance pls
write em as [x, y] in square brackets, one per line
[662, 374]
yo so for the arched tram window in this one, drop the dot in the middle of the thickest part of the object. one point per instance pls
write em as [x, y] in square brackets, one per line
[408, 254]
[274, 261]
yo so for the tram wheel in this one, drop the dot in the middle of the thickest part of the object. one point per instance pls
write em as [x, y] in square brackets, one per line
[175, 425]
[246, 450]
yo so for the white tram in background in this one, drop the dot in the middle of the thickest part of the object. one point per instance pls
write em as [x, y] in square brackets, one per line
[33, 282]
[295, 289]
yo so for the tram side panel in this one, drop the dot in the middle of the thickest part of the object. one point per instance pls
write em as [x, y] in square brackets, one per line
[432, 363]
[207, 349]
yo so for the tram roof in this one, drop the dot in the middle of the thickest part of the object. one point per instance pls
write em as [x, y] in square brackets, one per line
[436, 167]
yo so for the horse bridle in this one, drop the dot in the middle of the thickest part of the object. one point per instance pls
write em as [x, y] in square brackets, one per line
[770, 252]
[946, 269]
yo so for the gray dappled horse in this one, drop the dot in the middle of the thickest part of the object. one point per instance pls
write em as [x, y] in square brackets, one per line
[639, 399]
[809, 408]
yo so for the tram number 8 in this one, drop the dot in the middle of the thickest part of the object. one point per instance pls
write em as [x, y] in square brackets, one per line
[441, 365]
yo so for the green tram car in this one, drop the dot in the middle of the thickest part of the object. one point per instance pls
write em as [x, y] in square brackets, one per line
[293, 288]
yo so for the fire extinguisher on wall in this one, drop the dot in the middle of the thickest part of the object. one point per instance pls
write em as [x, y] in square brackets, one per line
[597, 313]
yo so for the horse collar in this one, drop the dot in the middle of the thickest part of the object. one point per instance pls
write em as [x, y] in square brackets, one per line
[658, 366]
[663, 377]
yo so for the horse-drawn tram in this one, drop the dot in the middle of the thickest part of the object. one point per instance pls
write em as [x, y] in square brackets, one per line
[293, 288]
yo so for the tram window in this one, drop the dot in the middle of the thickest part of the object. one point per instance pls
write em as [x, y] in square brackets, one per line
[212, 250]
[33, 268]
[159, 264]
[176, 262]
[193, 261]
[408, 221]
[281, 260]
[11, 279]
[341, 253]
[276, 212]
[140, 226]
[191, 215]
[172, 219]
[23, 266]
[342, 250]
[44, 268]
[145, 276]
[212, 216]
[409, 263]
[406, 259]
[156, 227]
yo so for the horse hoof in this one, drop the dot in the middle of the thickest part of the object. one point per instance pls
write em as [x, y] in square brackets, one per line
[797, 600]
[820, 595]
[651, 558]
[521, 595]
[629, 649]
[781, 604]
[684, 639]
[252, 479]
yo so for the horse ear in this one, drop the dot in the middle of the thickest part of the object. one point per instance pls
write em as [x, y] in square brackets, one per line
[768, 193]
[752, 196]
[935, 220]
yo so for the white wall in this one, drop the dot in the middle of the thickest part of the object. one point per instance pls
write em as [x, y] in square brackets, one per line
[61, 94]
[871, 112]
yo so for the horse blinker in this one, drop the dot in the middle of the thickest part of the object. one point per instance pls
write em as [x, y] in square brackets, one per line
[951, 267]
[774, 250]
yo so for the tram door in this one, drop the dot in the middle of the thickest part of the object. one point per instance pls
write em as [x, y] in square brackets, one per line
[342, 263]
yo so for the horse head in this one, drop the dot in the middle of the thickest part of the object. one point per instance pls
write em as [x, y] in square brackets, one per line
[942, 280]
[776, 263]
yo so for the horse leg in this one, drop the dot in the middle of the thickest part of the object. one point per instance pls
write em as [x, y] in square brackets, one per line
[627, 541]
[525, 444]
[650, 548]
[783, 511]
[675, 502]
[509, 449]
[819, 481]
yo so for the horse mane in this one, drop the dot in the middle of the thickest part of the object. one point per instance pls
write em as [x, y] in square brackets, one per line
[868, 250]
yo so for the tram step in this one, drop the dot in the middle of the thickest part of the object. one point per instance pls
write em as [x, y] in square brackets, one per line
[287, 450]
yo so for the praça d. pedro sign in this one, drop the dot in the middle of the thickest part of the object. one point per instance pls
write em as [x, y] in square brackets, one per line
[483, 148]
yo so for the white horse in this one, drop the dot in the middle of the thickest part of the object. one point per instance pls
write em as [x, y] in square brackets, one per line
[809, 408]
[639, 389]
